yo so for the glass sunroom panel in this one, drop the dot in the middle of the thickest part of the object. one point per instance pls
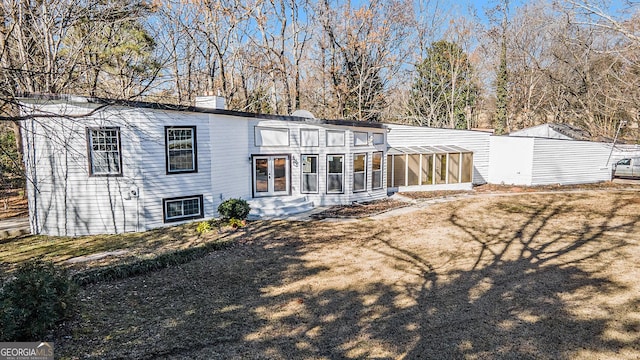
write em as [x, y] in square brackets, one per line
[399, 168]
[413, 169]
[467, 167]
[454, 168]
[426, 173]
[441, 168]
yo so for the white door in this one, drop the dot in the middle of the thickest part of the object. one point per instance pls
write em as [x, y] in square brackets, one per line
[270, 175]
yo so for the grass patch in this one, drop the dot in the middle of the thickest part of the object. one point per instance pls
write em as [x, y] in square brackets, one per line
[143, 247]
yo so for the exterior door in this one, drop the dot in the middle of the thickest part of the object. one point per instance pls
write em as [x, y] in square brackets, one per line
[270, 175]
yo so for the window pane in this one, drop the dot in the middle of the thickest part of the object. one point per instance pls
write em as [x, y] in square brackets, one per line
[359, 162]
[467, 167]
[378, 139]
[184, 208]
[310, 183]
[334, 173]
[376, 179]
[414, 169]
[262, 175]
[427, 169]
[335, 138]
[399, 170]
[454, 168]
[360, 138]
[334, 183]
[441, 168]
[104, 151]
[174, 209]
[309, 137]
[180, 149]
[376, 161]
[359, 172]
[390, 170]
[309, 164]
[334, 164]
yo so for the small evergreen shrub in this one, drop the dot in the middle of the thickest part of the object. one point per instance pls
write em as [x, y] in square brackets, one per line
[234, 209]
[37, 298]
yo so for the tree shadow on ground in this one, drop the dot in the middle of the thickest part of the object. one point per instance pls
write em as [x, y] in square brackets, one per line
[518, 287]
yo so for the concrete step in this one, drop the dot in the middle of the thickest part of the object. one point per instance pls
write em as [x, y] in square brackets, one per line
[274, 207]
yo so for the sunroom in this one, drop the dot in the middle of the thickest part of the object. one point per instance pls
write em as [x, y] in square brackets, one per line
[427, 168]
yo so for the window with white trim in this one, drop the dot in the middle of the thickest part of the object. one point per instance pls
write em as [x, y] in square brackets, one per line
[335, 174]
[335, 138]
[359, 172]
[309, 137]
[181, 149]
[309, 174]
[183, 208]
[376, 170]
[105, 157]
[378, 138]
[360, 138]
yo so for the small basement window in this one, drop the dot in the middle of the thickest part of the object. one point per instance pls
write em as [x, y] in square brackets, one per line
[183, 208]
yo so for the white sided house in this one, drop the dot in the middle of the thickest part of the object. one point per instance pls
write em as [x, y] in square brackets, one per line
[95, 166]
[98, 166]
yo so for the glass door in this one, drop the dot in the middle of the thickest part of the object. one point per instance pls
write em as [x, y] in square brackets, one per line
[270, 175]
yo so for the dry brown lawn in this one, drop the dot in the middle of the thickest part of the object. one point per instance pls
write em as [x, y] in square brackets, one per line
[553, 276]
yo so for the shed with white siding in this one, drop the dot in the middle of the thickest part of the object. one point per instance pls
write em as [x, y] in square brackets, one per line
[543, 161]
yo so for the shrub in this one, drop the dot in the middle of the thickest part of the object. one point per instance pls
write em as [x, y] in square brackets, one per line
[234, 209]
[37, 298]
[236, 223]
[203, 227]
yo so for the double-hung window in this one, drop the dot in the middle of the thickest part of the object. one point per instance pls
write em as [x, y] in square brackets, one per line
[309, 174]
[105, 157]
[183, 208]
[181, 149]
[335, 174]
[359, 172]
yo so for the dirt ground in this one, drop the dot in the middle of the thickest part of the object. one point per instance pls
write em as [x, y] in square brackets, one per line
[12, 204]
[521, 277]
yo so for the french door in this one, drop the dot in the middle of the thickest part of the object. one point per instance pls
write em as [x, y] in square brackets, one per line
[270, 175]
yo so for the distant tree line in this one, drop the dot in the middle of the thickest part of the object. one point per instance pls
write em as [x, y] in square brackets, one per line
[409, 61]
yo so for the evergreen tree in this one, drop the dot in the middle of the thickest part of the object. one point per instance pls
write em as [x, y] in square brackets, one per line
[444, 89]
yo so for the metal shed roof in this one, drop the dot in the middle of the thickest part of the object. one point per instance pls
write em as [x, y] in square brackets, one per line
[435, 149]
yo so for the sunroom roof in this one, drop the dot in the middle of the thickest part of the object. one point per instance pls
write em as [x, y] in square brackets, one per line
[435, 149]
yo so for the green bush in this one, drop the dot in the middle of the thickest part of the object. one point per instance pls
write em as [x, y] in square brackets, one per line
[203, 227]
[234, 209]
[37, 298]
